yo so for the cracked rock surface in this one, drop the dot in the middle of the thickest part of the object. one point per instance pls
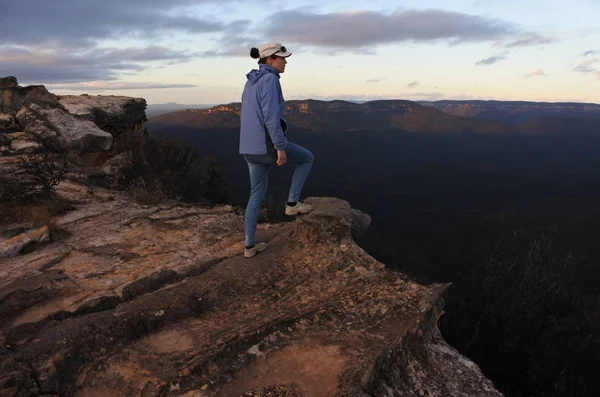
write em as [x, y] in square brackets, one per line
[159, 301]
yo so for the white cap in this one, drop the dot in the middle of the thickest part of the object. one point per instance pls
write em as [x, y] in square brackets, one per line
[267, 49]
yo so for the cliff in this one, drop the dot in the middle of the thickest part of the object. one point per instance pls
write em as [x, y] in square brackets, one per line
[516, 111]
[111, 298]
[456, 117]
[158, 300]
[335, 116]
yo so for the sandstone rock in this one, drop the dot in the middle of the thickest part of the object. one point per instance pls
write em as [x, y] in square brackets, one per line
[312, 315]
[8, 82]
[21, 146]
[13, 97]
[115, 114]
[14, 245]
[18, 135]
[73, 132]
[91, 128]
[331, 218]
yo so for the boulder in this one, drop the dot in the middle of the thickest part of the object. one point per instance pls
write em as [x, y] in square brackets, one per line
[72, 131]
[115, 114]
[13, 97]
[8, 82]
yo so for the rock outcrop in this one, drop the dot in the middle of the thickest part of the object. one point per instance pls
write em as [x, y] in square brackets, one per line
[89, 128]
[158, 301]
[39, 114]
[72, 132]
[118, 115]
[111, 298]
[84, 123]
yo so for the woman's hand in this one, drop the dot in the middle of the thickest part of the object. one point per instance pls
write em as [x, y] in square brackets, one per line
[281, 157]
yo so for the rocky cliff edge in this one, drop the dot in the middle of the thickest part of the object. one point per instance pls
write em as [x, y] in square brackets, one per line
[136, 300]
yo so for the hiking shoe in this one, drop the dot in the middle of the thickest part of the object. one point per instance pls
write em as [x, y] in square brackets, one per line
[299, 208]
[250, 252]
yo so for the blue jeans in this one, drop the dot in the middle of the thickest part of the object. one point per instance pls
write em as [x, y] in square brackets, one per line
[258, 166]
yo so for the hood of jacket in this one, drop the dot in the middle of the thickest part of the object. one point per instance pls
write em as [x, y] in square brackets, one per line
[255, 74]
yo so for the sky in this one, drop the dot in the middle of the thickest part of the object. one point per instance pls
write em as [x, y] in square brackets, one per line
[197, 51]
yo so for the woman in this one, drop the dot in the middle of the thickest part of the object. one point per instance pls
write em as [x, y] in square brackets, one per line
[263, 139]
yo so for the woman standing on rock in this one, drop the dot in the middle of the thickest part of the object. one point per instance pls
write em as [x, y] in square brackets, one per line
[263, 139]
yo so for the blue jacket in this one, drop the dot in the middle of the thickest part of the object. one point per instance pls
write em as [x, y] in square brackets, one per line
[263, 129]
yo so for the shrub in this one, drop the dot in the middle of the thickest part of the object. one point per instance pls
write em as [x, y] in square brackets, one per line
[36, 175]
[158, 169]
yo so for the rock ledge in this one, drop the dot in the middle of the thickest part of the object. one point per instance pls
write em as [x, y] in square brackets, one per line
[158, 301]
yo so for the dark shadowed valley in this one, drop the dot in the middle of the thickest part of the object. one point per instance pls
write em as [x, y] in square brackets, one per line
[502, 203]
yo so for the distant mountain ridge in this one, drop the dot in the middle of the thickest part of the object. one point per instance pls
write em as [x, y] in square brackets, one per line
[442, 116]
[156, 109]
[515, 111]
[337, 115]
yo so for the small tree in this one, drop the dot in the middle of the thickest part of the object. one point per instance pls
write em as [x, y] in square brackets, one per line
[36, 175]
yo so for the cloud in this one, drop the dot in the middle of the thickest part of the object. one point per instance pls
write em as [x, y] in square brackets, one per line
[234, 42]
[584, 67]
[537, 72]
[117, 85]
[63, 39]
[591, 52]
[530, 39]
[412, 85]
[491, 60]
[83, 22]
[597, 73]
[147, 54]
[231, 51]
[376, 80]
[353, 29]
[360, 32]
[63, 66]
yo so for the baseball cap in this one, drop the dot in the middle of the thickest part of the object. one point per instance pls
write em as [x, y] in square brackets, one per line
[268, 49]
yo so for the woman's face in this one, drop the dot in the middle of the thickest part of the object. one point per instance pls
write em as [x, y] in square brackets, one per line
[278, 63]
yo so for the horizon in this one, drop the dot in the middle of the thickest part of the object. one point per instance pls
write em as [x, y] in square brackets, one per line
[383, 99]
[197, 51]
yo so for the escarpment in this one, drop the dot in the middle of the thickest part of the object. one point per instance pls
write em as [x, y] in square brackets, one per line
[158, 300]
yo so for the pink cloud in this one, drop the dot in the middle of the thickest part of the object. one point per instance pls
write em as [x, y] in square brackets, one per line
[537, 72]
